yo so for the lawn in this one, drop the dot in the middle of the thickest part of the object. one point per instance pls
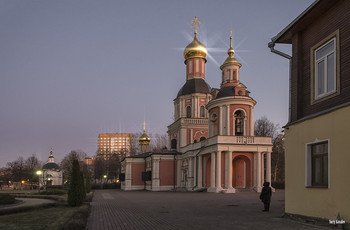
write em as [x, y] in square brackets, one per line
[49, 218]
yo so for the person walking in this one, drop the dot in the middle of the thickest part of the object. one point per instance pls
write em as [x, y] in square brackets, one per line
[265, 196]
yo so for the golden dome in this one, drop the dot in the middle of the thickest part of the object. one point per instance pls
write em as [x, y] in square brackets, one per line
[231, 59]
[144, 139]
[195, 49]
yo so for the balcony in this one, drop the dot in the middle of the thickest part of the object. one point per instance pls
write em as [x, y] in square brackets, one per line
[229, 140]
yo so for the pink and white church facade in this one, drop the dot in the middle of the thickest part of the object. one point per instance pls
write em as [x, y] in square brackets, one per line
[212, 138]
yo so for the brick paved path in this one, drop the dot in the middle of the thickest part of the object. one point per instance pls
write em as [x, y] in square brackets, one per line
[116, 209]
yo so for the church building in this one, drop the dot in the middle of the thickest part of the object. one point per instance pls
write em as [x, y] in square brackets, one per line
[52, 173]
[212, 140]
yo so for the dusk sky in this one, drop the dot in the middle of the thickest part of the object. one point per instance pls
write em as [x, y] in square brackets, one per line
[71, 69]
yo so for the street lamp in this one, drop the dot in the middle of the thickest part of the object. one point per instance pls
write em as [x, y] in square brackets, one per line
[39, 172]
[105, 177]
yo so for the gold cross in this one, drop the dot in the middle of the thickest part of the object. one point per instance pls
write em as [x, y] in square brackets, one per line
[195, 22]
[231, 33]
[144, 126]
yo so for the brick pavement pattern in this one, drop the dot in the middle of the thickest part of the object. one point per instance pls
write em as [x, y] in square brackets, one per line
[116, 209]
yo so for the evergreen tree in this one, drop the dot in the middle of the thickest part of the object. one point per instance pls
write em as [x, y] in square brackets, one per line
[75, 192]
[88, 183]
[82, 184]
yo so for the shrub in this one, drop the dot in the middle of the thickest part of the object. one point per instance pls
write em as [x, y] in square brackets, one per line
[82, 184]
[75, 192]
[88, 183]
[7, 199]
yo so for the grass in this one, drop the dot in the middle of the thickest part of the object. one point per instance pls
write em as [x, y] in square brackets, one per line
[49, 218]
[6, 199]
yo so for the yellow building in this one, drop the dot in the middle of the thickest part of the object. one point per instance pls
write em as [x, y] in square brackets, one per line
[109, 143]
[317, 134]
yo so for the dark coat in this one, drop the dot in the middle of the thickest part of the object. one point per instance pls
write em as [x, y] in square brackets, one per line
[266, 193]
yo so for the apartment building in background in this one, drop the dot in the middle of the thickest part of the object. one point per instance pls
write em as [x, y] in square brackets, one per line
[110, 143]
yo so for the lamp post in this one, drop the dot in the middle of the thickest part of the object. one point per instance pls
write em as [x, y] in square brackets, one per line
[39, 172]
[105, 177]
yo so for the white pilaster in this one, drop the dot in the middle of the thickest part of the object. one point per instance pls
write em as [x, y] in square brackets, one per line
[251, 121]
[190, 173]
[220, 122]
[212, 173]
[258, 172]
[228, 120]
[229, 189]
[155, 175]
[200, 171]
[262, 168]
[218, 170]
[268, 167]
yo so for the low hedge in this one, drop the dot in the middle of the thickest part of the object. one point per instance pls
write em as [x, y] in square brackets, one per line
[7, 199]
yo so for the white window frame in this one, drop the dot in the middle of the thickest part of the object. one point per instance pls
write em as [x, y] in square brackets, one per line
[324, 58]
[308, 163]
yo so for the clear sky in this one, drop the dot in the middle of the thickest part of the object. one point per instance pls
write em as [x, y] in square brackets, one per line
[71, 69]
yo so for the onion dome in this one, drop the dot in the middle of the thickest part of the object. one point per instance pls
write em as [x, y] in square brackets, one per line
[195, 49]
[51, 166]
[144, 139]
[231, 59]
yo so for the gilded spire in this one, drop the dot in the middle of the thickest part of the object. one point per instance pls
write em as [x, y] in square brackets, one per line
[230, 51]
[231, 59]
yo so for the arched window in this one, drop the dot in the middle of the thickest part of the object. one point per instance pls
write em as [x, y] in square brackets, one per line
[239, 123]
[202, 110]
[173, 143]
[188, 112]
[202, 139]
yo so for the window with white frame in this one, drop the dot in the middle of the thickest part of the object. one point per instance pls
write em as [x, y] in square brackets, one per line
[317, 164]
[325, 69]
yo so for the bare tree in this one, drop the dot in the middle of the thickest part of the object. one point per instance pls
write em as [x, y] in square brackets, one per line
[159, 142]
[277, 159]
[263, 127]
[67, 162]
[266, 128]
[17, 169]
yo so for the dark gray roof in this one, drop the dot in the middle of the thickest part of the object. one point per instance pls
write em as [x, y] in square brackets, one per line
[51, 165]
[194, 86]
[230, 91]
[144, 155]
[226, 92]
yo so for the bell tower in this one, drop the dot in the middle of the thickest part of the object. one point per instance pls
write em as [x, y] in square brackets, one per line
[231, 112]
[190, 115]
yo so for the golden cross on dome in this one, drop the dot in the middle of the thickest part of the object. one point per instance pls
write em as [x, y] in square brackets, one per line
[194, 23]
[230, 38]
[144, 126]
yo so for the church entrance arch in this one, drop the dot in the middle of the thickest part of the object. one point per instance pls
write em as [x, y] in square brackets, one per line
[207, 172]
[241, 172]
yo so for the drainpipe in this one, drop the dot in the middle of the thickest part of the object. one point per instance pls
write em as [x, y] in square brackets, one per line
[271, 45]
